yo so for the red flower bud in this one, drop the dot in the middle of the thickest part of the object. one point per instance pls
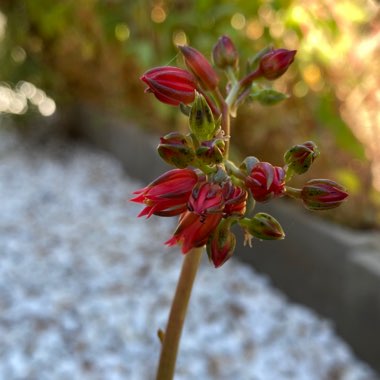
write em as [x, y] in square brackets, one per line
[221, 245]
[206, 198]
[200, 67]
[235, 200]
[224, 53]
[300, 157]
[194, 230]
[170, 85]
[322, 194]
[266, 181]
[176, 149]
[168, 194]
[273, 64]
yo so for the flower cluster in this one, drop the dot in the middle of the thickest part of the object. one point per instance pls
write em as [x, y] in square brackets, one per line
[206, 190]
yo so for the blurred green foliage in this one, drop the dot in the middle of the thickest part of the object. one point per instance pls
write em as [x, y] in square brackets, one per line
[82, 51]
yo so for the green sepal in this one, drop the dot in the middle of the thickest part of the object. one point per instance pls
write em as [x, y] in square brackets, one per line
[248, 164]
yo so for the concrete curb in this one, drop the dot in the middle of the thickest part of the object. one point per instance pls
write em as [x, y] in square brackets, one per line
[331, 269]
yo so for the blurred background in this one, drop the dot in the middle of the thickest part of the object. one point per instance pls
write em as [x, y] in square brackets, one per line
[54, 55]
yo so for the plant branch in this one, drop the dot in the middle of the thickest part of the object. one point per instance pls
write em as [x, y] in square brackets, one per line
[177, 315]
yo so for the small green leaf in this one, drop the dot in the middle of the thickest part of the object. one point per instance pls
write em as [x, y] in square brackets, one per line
[268, 96]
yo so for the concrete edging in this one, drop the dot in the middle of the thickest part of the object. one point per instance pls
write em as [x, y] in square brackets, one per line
[335, 271]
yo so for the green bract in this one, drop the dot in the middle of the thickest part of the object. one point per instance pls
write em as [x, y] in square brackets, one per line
[201, 120]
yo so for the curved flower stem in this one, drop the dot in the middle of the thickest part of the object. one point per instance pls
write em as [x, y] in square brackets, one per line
[225, 122]
[177, 315]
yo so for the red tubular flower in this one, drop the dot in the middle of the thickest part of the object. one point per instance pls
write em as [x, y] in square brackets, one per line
[200, 67]
[206, 198]
[273, 64]
[168, 194]
[266, 181]
[235, 200]
[221, 245]
[170, 85]
[194, 230]
[322, 194]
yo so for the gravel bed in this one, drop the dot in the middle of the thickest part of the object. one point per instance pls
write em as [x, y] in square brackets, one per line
[84, 286]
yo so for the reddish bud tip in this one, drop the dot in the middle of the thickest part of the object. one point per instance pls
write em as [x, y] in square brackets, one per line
[275, 63]
[200, 67]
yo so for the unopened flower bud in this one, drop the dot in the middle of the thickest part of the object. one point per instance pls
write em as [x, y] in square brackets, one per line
[200, 67]
[273, 64]
[170, 85]
[300, 157]
[201, 120]
[225, 54]
[176, 149]
[322, 194]
[211, 151]
[263, 226]
[266, 181]
[221, 245]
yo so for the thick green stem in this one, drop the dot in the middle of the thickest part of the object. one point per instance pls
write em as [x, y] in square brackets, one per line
[177, 315]
[234, 170]
[233, 94]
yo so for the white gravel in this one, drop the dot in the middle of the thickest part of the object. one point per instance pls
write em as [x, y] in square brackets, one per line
[84, 286]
